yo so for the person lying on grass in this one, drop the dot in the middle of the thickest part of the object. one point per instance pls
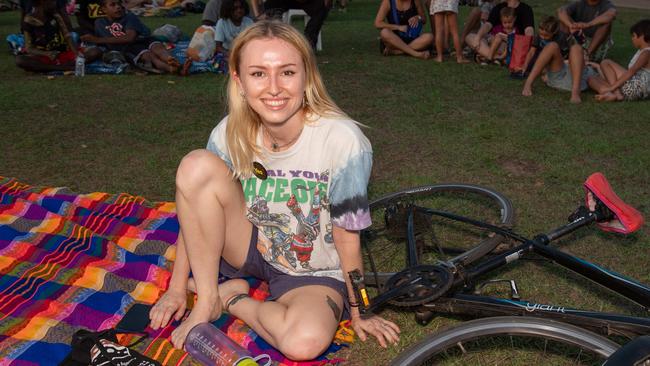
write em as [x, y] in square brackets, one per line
[280, 194]
[122, 31]
[48, 43]
[616, 83]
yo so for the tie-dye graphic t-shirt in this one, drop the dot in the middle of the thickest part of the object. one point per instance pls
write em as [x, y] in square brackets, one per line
[320, 181]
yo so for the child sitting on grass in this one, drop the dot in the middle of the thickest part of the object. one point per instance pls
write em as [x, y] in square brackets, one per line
[231, 23]
[495, 48]
[48, 44]
[122, 31]
[633, 83]
[568, 75]
[548, 31]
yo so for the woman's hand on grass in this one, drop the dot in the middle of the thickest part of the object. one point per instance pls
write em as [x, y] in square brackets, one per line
[384, 330]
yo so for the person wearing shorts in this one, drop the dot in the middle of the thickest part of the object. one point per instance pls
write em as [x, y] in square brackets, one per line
[570, 75]
[563, 80]
[279, 193]
[591, 23]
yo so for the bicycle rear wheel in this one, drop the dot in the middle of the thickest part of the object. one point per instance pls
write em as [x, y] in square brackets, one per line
[437, 238]
[507, 341]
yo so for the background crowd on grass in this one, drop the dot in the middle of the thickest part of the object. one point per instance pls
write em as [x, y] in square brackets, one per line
[568, 50]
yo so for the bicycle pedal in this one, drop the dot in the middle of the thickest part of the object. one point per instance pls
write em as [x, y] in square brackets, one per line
[423, 316]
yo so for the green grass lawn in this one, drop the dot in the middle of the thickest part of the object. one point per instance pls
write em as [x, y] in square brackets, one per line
[427, 122]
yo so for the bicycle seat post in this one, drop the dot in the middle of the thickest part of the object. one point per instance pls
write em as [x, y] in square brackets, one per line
[581, 217]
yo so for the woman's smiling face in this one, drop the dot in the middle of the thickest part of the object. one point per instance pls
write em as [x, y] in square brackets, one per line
[272, 76]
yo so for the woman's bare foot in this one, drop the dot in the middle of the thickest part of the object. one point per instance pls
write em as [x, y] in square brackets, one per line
[172, 303]
[205, 310]
[527, 91]
[438, 58]
[462, 60]
[606, 97]
[425, 55]
[575, 98]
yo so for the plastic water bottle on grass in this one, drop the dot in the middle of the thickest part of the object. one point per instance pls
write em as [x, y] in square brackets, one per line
[210, 346]
[80, 65]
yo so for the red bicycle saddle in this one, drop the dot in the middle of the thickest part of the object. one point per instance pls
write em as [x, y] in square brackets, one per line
[627, 220]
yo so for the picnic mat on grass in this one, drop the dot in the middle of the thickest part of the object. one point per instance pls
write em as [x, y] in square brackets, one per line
[70, 261]
[217, 64]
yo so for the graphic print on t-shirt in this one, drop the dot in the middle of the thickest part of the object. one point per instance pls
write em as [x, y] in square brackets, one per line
[95, 11]
[291, 241]
[116, 29]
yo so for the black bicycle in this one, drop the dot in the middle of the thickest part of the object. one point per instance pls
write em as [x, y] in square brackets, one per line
[430, 260]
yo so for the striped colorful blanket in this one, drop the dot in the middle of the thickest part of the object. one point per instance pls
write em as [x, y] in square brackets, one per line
[71, 261]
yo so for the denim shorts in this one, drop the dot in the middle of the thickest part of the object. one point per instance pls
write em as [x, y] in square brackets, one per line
[279, 282]
[562, 79]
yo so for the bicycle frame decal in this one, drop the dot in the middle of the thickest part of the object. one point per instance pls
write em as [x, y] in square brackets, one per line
[533, 307]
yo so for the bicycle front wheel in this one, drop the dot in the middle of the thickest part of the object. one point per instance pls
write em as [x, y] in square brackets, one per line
[436, 238]
[507, 341]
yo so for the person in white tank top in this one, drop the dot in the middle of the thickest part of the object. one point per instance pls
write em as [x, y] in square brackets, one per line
[615, 82]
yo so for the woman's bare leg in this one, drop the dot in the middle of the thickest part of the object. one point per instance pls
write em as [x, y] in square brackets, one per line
[173, 302]
[301, 323]
[550, 57]
[422, 43]
[611, 73]
[496, 42]
[598, 83]
[163, 60]
[393, 42]
[452, 20]
[483, 48]
[576, 64]
[439, 19]
[472, 24]
[611, 70]
[212, 214]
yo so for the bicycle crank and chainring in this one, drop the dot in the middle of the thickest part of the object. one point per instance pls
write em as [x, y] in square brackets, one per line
[419, 284]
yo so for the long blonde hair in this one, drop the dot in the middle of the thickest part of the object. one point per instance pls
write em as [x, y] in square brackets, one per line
[243, 121]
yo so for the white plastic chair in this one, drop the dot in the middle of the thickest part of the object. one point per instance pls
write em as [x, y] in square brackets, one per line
[287, 15]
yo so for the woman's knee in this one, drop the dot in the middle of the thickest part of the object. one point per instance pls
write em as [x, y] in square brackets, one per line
[426, 38]
[305, 343]
[472, 40]
[606, 62]
[197, 168]
[385, 33]
[553, 47]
